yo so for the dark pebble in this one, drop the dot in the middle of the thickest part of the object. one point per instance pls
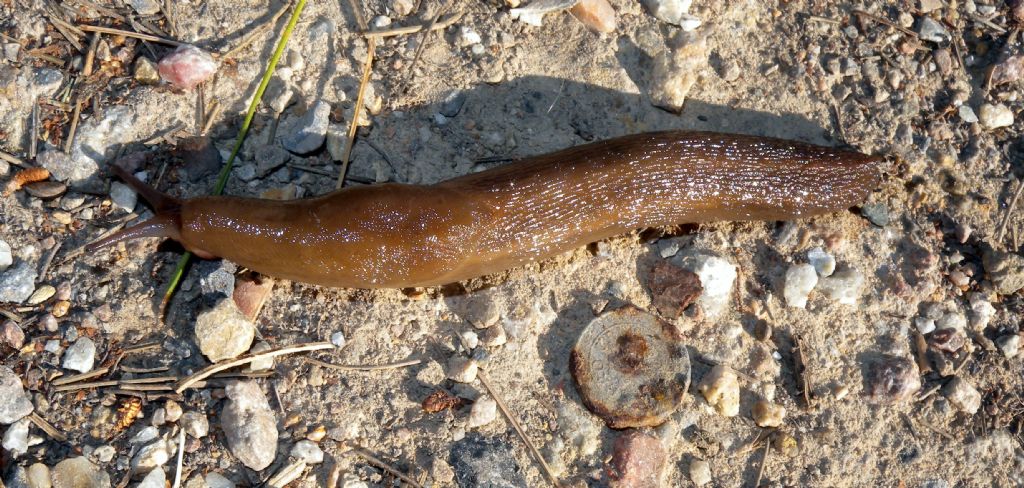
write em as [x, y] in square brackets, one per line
[46, 189]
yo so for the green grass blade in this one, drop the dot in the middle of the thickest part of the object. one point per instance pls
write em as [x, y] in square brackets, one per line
[222, 180]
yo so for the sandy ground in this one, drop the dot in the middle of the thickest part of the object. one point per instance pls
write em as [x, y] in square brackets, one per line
[537, 89]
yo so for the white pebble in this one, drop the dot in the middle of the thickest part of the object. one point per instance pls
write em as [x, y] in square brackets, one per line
[716, 276]
[308, 451]
[924, 325]
[700, 472]
[721, 389]
[995, 116]
[951, 320]
[800, 280]
[484, 411]
[462, 369]
[467, 36]
[6, 257]
[823, 262]
[843, 286]
[338, 339]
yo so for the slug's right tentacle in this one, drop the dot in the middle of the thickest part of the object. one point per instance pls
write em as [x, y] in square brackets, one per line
[167, 222]
[161, 202]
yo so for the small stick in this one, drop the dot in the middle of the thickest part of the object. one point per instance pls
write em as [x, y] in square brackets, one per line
[824, 20]
[882, 20]
[10, 158]
[63, 28]
[764, 461]
[212, 116]
[358, 451]
[423, 43]
[1009, 210]
[257, 32]
[929, 393]
[172, 25]
[79, 377]
[126, 33]
[364, 367]
[519, 430]
[412, 29]
[801, 367]
[47, 427]
[181, 455]
[34, 133]
[47, 261]
[132, 369]
[216, 368]
[354, 125]
[145, 346]
[101, 9]
[82, 386]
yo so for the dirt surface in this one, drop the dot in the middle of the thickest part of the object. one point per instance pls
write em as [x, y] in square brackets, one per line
[807, 70]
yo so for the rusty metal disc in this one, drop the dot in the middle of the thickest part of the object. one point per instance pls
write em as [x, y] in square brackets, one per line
[631, 368]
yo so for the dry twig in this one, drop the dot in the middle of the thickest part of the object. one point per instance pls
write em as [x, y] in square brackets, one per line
[364, 367]
[248, 358]
[127, 33]
[358, 451]
[412, 29]
[356, 111]
[47, 427]
[1009, 211]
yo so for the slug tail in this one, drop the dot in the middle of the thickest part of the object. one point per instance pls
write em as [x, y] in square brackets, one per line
[163, 225]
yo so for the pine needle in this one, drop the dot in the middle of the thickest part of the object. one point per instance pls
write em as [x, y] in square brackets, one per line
[222, 180]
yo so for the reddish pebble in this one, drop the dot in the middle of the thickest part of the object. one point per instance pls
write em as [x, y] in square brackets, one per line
[11, 334]
[596, 14]
[638, 461]
[251, 292]
[187, 67]
[673, 289]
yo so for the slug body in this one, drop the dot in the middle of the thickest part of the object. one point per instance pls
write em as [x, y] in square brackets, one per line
[396, 235]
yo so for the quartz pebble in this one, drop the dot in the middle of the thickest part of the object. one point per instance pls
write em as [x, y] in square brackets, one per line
[187, 67]
[982, 310]
[676, 12]
[467, 36]
[249, 425]
[716, 276]
[995, 116]
[677, 69]
[638, 461]
[123, 196]
[891, 379]
[308, 452]
[483, 412]
[595, 14]
[823, 262]
[932, 30]
[6, 257]
[151, 456]
[721, 389]
[338, 339]
[195, 424]
[222, 332]
[768, 414]
[800, 280]
[533, 14]
[1009, 345]
[967, 114]
[17, 283]
[700, 472]
[461, 369]
[962, 395]
[263, 363]
[80, 356]
[15, 439]
[310, 131]
[843, 286]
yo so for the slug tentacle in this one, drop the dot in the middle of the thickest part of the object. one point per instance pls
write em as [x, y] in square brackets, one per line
[163, 225]
[161, 202]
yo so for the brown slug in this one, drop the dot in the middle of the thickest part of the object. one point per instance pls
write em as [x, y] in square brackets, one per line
[397, 235]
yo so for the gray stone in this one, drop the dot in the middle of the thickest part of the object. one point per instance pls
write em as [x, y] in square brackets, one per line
[843, 286]
[823, 262]
[338, 339]
[223, 332]
[1005, 269]
[45, 82]
[15, 438]
[217, 277]
[79, 472]
[146, 7]
[17, 283]
[80, 356]
[1009, 345]
[123, 196]
[195, 424]
[876, 213]
[11, 51]
[11, 334]
[932, 30]
[452, 104]
[217, 480]
[483, 461]
[671, 11]
[268, 158]
[151, 456]
[155, 479]
[6, 257]
[39, 476]
[310, 130]
[249, 425]
[967, 114]
[307, 451]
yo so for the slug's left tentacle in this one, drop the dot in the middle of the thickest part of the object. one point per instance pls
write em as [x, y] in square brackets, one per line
[167, 222]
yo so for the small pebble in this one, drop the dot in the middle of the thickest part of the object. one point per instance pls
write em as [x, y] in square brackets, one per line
[924, 325]
[338, 339]
[195, 424]
[677, 69]
[800, 280]
[932, 30]
[146, 71]
[717, 276]
[80, 356]
[46, 190]
[39, 476]
[843, 286]
[483, 412]
[402, 7]
[982, 310]
[310, 131]
[493, 336]
[155, 479]
[222, 332]
[823, 262]
[768, 414]
[145, 7]
[469, 339]
[249, 425]
[379, 22]
[891, 379]
[638, 460]
[674, 12]
[17, 283]
[187, 67]
[308, 452]
[1009, 345]
[673, 289]
[262, 364]
[11, 334]
[700, 472]
[466, 36]
[6, 257]
[876, 213]
[1004, 269]
[217, 480]
[123, 196]
[995, 116]
[42, 294]
[150, 456]
[462, 369]
[967, 114]
[962, 395]
[598, 15]
[105, 453]
[951, 320]
[79, 472]
[15, 439]
[721, 389]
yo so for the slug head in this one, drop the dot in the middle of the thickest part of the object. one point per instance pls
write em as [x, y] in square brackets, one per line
[166, 224]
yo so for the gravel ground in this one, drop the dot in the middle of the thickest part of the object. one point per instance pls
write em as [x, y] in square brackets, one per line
[901, 369]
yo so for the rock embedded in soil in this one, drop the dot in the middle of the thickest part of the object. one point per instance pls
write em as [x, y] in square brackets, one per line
[768, 414]
[843, 286]
[308, 452]
[995, 116]
[721, 389]
[674, 12]
[222, 332]
[217, 480]
[195, 424]
[6, 256]
[310, 131]
[638, 461]
[80, 356]
[17, 283]
[595, 14]
[123, 196]
[1005, 269]
[876, 213]
[462, 369]
[249, 425]
[15, 439]
[11, 335]
[700, 472]
[677, 69]
[673, 289]
[482, 461]
[39, 476]
[932, 30]
[962, 395]
[717, 276]
[483, 412]
[151, 456]
[890, 379]
[269, 157]
[1009, 345]
[631, 368]
[800, 280]
[78, 472]
[145, 71]
[187, 67]
[823, 262]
